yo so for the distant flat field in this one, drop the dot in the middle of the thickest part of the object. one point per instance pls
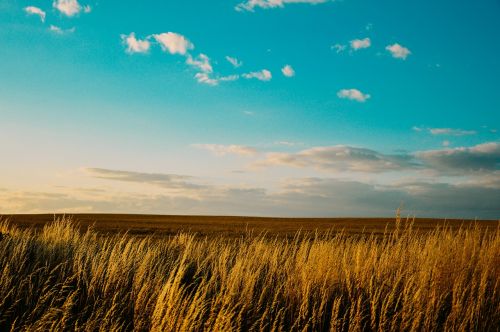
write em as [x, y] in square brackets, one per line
[234, 226]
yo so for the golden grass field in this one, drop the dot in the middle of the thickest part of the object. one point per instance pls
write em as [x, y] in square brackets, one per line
[225, 274]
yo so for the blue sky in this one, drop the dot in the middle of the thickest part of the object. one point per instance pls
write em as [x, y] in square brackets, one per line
[329, 108]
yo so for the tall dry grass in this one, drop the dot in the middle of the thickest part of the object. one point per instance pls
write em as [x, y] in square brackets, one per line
[63, 279]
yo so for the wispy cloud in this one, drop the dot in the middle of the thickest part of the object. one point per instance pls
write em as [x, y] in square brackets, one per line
[250, 5]
[451, 132]
[262, 75]
[169, 181]
[205, 78]
[307, 197]
[288, 143]
[353, 94]
[398, 51]
[233, 61]
[135, 45]
[445, 131]
[222, 150]
[61, 31]
[32, 10]
[339, 48]
[339, 158]
[358, 44]
[173, 43]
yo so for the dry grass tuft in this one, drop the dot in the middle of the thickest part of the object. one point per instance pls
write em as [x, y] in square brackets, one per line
[62, 279]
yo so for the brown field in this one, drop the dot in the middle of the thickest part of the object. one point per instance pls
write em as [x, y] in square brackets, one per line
[234, 226]
[65, 276]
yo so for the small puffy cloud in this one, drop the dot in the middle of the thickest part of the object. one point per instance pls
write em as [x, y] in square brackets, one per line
[135, 45]
[60, 31]
[358, 44]
[249, 5]
[222, 150]
[339, 48]
[451, 132]
[68, 7]
[353, 94]
[263, 75]
[201, 62]
[173, 42]
[398, 51]
[31, 10]
[235, 62]
[288, 71]
[482, 157]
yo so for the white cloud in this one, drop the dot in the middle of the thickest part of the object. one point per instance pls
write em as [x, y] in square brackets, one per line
[445, 131]
[173, 42]
[263, 75]
[67, 7]
[249, 5]
[235, 62]
[353, 94]
[202, 62]
[135, 45]
[59, 30]
[222, 150]
[229, 78]
[482, 157]
[308, 197]
[446, 143]
[338, 158]
[87, 9]
[288, 71]
[31, 10]
[358, 44]
[288, 143]
[339, 48]
[205, 78]
[398, 51]
[451, 132]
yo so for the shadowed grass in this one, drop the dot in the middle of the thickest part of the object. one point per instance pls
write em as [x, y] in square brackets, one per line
[60, 278]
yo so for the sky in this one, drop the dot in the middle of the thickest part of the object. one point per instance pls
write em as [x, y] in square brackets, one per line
[260, 107]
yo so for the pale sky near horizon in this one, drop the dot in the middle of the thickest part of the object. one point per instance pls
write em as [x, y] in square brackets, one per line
[258, 107]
